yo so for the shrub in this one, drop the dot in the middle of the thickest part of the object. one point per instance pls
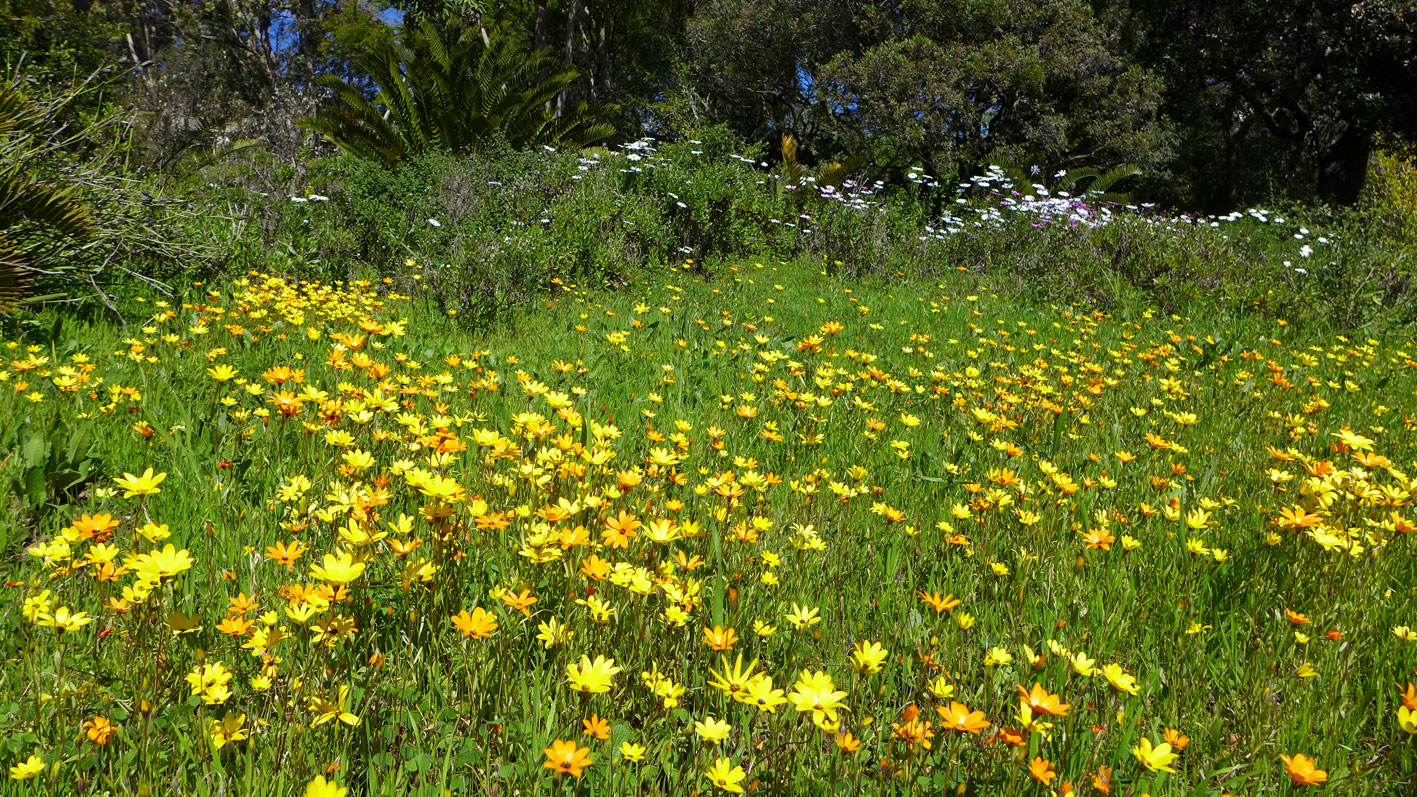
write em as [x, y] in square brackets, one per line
[1393, 184]
[489, 231]
[74, 225]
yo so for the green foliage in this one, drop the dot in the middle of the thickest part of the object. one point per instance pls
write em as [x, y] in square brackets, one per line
[1279, 97]
[353, 30]
[1100, 183]
[625, 52]
[742, 61]
[1095, 183]
[57, 43]
[487, 231]
[75, 224]
[794, 176]
[40, 222]
[1370, 279]
[1220, 106]
[509, 223]
[1393, 183]
[973, 83]
[444, 89]
[52, 466]
[490, 229]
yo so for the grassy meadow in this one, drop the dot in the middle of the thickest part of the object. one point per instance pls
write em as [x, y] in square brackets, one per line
[753, 528]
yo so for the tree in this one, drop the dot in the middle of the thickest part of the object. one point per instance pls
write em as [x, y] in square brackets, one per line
[751, 64]
[623, 51]
[1041, 81]
[1282, 93]
[949, 84]
[57, 41]
[443, 88]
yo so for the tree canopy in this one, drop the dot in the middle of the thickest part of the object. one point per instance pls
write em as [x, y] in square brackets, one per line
[1219, 104]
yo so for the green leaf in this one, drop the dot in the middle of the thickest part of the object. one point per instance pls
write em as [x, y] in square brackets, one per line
[35, 485]
[36, 450]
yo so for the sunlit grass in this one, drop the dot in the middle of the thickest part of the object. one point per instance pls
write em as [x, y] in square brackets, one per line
[764, 531]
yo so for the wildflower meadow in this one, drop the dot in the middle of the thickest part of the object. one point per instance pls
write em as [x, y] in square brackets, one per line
[750, 528]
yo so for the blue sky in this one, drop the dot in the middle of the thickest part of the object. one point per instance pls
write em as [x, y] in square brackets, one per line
[282, 36]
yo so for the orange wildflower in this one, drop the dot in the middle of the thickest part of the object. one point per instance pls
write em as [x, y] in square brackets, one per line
[958, 717]
[1102, 781]
[1303, 770]
[566, 758]
[719, 638]
[521, 603]
[1042, 770]
[596, 726]
[620, 530]
[1042, 702]
[1176, 739]
[938, 603]
[100, 730]
[481, 624]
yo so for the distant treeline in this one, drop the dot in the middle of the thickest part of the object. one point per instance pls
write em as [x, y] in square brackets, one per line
[1220, 104]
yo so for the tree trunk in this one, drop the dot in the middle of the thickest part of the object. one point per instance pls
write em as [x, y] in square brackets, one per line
[538, 28]
[604, 81]
[1234, 132]
[308, 32]
[572, 18]
[538, 37]
[1343, 168]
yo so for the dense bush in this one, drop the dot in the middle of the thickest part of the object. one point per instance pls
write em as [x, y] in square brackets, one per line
[76, 222]
[1394, 183]
[487, 232]
[490, 231]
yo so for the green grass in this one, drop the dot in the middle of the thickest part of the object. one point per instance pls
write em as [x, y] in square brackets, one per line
[994, 383]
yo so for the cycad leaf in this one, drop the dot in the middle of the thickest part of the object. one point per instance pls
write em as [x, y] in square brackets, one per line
[22, 200]
[441, 88]
[12, 275]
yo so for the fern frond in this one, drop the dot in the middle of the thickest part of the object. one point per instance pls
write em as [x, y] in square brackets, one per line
[1111, 177]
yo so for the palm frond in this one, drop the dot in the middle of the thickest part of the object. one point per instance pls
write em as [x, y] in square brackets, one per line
[441, 88]
[39, 221]
[18, 113]
[1111, 177]
[12, 275]
[25, 201]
